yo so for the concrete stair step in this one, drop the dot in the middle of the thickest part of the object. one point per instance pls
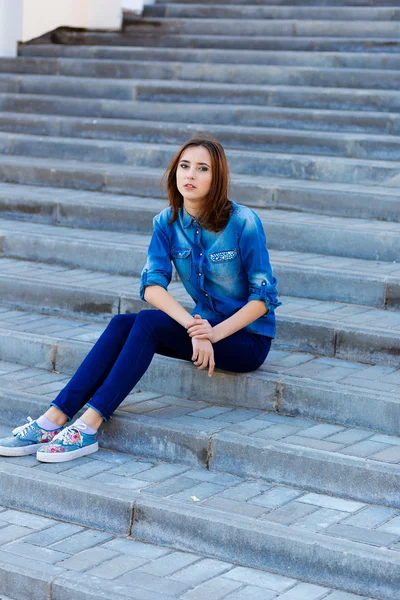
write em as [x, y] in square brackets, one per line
[334, 329]
[289, 231]
[161, 511]
[349, 200]
[319, 456]
[297, 96]
[242, 162]
[385, 124]
[369, 60]
[247, 42]
[48, 559]
[349, 145]
[300, 274]
[244, 11]
[280, 27]
[311, 76]
[297, 384]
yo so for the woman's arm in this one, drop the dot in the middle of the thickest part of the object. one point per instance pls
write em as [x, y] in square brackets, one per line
[247, 314]
[161, 299]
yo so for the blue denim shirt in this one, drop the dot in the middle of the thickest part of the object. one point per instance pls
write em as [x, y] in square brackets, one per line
[220, 271]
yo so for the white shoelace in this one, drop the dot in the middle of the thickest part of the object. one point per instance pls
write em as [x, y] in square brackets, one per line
[23, 428]
[63, 435]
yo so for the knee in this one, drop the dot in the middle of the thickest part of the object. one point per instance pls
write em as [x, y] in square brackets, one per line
[122, 322]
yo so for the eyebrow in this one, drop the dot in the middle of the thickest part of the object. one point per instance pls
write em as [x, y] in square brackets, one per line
[200, 163]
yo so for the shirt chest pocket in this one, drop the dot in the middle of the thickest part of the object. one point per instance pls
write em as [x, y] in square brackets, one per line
[182, 260]
[225, 264]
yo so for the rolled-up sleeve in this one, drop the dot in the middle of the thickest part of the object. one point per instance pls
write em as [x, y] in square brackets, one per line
[255, 260]
[158, 268]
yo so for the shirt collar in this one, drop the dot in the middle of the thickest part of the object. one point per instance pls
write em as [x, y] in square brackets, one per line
[187, 219]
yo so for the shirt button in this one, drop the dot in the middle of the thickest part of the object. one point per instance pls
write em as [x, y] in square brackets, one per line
[197, 231]
[263, 282]
[200, 274]
[201, 254]
[205, 294]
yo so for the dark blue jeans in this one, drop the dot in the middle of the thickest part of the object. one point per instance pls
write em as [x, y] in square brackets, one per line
[125, 350]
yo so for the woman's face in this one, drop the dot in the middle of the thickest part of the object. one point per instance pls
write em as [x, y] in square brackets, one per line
[194, 168]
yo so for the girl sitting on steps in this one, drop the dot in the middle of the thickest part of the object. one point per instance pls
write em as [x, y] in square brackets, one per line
[219, 250]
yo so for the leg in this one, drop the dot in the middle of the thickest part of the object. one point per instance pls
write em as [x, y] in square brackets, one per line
[93, 370]
[156, 332]
[152, 331]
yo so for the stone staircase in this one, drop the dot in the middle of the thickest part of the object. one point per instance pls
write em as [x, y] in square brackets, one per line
[277, 484]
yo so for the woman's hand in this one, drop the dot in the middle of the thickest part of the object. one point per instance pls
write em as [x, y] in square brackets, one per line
[203, 355]
[201, 329]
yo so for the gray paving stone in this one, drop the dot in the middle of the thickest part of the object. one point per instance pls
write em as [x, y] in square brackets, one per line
[317, 444]
[204, 569]
[276, 432]
[131, 468]
[349, 436]
[245, 490]
[153, 583]
[45, 555]
[275, 497]
[167, 565]
[365, 536]
[331, 502]
[392, 526]
[217, 588]
[121, 482]
[202, 491]
[270, 581]
[88, 559]
[305, 591]
[111, 569]
[222, 479]
[364, 449]
[13, 532]
[321, 519]
[161, 472]
[53, 534]
[81, 541]
[251, 592]
[370, 517]
[135, 548]
[390, 455]
[94, 467]
[233, 506]
[23, 519]
[319, 432]
[290, 513]
[171, 486]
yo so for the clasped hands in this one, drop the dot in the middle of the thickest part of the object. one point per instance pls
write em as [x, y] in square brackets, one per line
[203, 337]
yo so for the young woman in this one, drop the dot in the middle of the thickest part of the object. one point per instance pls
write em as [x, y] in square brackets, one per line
[219, 250]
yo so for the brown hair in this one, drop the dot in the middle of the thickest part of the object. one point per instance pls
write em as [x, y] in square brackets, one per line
[215, 212]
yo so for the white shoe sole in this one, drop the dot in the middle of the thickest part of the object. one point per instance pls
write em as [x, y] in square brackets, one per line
[21, 451]
[58, 457]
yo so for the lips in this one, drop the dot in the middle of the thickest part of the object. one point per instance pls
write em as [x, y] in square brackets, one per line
[190, 186]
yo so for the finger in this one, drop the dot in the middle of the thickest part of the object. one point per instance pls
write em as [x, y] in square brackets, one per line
[194, 355]
[199, 358]
[196, 331]
[205, 362]
[211, 367]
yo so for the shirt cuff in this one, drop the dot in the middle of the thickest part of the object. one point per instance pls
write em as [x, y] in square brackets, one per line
[266, 293]
[152, 279]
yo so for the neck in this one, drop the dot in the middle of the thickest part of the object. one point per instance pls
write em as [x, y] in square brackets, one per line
[192, 210]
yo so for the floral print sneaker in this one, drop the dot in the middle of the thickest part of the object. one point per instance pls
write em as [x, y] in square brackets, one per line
[26, 439]
[72, 442]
